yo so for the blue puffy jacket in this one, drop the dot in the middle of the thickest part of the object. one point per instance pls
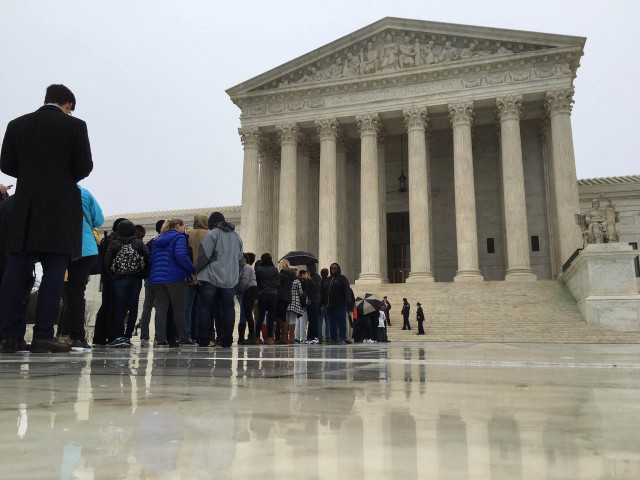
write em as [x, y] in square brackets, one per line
[170, 260]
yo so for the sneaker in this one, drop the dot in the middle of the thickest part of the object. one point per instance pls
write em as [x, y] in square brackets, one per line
[80, 345]
[295, 340]
[314, 341]
[188, 343]
[349, 342]
[342, 342]
[161, 344]
[120, 342]
[144, 343]
[174, 345]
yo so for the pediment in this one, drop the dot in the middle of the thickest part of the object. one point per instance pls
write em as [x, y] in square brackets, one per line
[401, 46]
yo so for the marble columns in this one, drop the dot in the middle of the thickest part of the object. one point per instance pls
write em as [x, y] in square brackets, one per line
[419, 202]
[515, 207]
[304, 195]
[461, 116]
[369, 125]
[288, 212]
[382, 191]
[342, 219]
[250, 137]
[269, 153]
[328, 201]
[559, 104]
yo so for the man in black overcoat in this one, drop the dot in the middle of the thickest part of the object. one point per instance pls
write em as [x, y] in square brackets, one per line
[48, 152]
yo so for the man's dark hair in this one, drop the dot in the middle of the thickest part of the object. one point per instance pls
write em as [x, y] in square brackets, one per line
[324, 272]
[159, 225]
[60, 95]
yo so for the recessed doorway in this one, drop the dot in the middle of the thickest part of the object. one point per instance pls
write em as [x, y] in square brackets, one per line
[398, 247]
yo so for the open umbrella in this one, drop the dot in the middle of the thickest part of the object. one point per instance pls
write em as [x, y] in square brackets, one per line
[367, 304]
[300, 258]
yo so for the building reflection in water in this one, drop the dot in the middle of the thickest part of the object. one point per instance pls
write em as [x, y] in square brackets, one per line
[326, 412]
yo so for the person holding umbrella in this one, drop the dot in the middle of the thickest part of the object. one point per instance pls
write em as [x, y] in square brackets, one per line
[338, 301]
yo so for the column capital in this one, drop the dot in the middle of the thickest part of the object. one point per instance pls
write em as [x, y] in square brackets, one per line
[416, 118]
[288, 132]
[328, 128]
[509, 107]
[559, 101]
[368, 123]
[249, 136]
[461, 113]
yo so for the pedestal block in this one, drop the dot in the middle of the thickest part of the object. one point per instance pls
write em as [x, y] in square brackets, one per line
[602, 279]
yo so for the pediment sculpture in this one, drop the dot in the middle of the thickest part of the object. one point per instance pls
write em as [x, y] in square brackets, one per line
[598, 225]
[396, 51]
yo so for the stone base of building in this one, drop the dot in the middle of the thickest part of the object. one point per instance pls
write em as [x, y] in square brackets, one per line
[523, 275]
[602, 280]
[468, 276]
[369, 279]
[420, 277]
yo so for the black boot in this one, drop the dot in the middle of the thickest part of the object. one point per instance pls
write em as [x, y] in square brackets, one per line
[241, 329]
[251, 339]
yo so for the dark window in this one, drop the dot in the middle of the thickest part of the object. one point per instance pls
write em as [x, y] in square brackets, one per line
[636, 261]
[491, 246]
[535, 243]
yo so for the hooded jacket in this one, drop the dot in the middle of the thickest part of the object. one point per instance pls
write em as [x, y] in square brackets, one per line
[170, 261]
[93, 213]
[125, 234]
[287, 276]
[268, 278]
[197, 234]
[338, 290]
[219, 256]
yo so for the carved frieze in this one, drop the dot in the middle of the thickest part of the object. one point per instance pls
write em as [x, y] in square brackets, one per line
[479, 80]
[394, 50]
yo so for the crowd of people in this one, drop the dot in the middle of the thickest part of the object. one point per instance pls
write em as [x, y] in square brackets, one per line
[192, 279]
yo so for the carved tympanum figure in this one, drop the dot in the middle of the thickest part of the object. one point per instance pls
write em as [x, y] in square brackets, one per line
[369, 60]
[468, 52]
[428, 53]
[448, 53]
[389, 54]
[407, 53]
[351, 66]
[335, 70]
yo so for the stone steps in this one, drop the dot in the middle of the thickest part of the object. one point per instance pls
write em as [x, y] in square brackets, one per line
[532, 312]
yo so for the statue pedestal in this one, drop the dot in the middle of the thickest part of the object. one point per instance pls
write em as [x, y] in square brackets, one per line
[603, 281]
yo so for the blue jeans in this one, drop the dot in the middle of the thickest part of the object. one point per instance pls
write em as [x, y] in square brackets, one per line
[224, 321]
[267, 304]
[14, 294]
[323, 318]
[126, 293]
[338, 323]
[241, 318]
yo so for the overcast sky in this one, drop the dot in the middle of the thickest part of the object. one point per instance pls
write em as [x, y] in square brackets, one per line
[150, 79]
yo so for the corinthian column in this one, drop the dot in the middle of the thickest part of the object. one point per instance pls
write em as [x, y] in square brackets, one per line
[415, 120]
[304, 195]
[461, 116]
[269, 154]
[368, 125]
[328, 197]
[250, 137]
[342, 151]
[382, 184]
[515, 207]
[559, 104]
[288, 212]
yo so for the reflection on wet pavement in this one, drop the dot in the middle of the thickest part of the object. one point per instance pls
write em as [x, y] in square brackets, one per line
[438, 411]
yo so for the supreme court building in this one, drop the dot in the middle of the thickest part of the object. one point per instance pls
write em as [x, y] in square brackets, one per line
[418, 150]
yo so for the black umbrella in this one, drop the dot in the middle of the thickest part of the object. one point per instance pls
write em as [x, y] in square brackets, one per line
[300, 258]
[367, 304]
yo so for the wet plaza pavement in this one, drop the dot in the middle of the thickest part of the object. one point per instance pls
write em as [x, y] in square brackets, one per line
[394, 411]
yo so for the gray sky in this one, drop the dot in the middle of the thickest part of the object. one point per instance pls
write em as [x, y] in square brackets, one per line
[149, 77]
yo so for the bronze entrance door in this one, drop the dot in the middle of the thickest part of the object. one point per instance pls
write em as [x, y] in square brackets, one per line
[398, 247]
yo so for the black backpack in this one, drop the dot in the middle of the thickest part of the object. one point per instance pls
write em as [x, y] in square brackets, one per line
[127, 261]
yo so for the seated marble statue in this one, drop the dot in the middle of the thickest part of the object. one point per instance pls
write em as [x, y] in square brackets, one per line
[468, 52]
[335, 70]
[313, 76]
[428, 53]
[389, 55]
[503, 50]
[599, 224]
[369, 61]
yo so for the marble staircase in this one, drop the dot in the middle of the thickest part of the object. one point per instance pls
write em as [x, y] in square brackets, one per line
[531, 312]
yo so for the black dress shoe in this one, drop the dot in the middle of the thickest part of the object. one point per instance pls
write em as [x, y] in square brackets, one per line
[9, 346]
[23, 346]
[51, 345]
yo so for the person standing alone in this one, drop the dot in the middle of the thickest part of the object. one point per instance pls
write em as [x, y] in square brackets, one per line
[48, 152]
[420, 318]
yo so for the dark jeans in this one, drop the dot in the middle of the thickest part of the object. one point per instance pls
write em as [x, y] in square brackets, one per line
[312, 316]
[103, 331]
[267, 305]
[382, 334]
[73, 321]
[324, 319]
[248, 300]
[405, 322]
[126, 292]
[147, 306]
[338, 322]
[191, 309]
[14, 294]
[225, 321]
